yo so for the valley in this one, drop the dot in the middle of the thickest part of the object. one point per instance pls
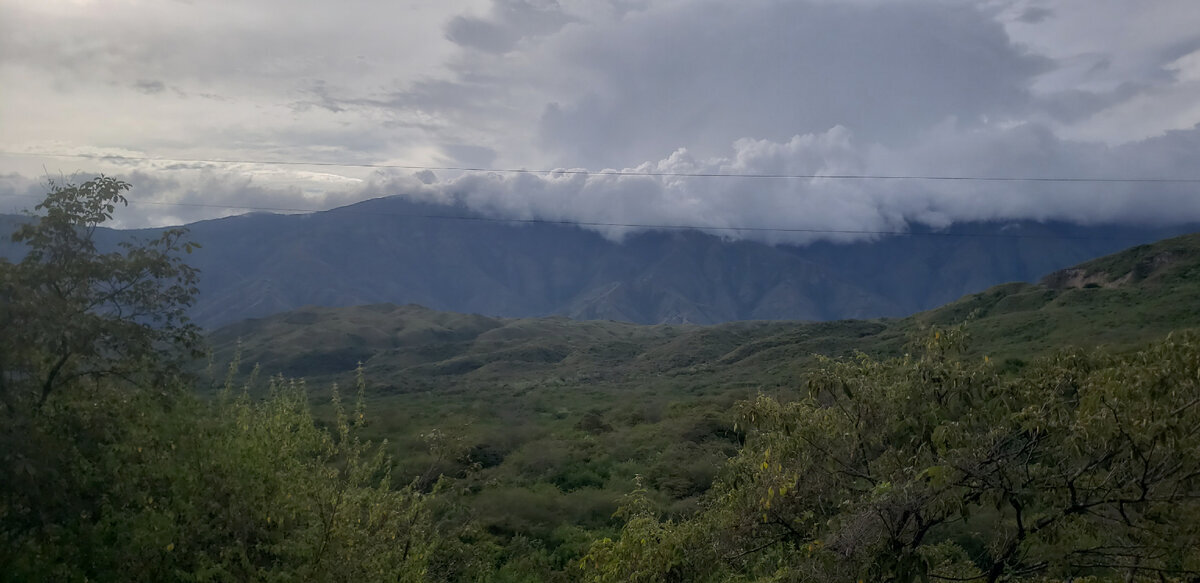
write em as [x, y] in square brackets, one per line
[544, 422]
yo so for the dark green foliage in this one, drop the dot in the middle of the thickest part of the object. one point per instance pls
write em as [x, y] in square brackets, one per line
[516, 440]
[666, 392]
[1085, 464]
[593, 422]
[110, 470]
[71, 313]
[165, 488]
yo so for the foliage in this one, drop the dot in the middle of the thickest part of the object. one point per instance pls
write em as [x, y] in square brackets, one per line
[938, 468]
[648, 550]
[71, 312]
[128, 476]
[233, 490]
[531, 416]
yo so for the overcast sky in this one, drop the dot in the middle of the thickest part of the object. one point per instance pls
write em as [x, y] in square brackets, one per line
[1000, 88]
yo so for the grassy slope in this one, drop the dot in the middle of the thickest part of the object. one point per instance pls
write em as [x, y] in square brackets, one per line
[1121, 300]
[559, 415]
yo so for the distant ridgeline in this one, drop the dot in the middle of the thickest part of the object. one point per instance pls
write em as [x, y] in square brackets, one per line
[391, 250]
[1120, 301]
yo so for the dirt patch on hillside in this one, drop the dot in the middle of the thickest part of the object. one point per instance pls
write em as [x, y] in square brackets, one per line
[1156, 263]
[1078, 278]
[1145, 268]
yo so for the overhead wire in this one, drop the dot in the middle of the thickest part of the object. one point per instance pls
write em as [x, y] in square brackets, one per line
[646, 226]
[647, 173]
[604, 224]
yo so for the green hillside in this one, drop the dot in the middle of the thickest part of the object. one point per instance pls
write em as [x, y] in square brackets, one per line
[386, 250]
[546, 420]
[951, 444]
[1119, 300]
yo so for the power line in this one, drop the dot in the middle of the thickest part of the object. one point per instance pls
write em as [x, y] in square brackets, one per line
[124, 158]
[647, 226]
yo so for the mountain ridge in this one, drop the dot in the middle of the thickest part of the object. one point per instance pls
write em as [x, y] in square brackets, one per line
[400, 251]
[559, 413]
[416, 346]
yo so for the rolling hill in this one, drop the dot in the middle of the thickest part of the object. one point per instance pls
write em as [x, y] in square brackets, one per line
[556, 415]
[1121, 299]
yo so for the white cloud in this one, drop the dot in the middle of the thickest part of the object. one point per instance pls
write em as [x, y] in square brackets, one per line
[989, 88]
[807, 209]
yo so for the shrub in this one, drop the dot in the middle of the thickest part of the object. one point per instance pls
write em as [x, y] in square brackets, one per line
[1086, 464]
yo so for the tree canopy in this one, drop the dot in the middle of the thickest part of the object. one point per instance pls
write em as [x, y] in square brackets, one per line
[72, 311]
[933, 468]
[113, 469]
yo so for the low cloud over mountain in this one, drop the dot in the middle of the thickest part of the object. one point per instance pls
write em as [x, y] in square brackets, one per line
[992, 89]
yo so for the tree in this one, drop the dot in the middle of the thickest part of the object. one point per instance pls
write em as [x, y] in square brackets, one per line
[939, 469]
[111, 469]
[71, 311]
[175, 488]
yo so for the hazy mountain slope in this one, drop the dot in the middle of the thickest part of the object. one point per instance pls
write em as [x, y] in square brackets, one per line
[1122, 299]
[368, 253]
[389, 250]
[396, 251]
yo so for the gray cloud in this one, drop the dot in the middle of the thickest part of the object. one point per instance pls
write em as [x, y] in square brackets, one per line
[707, 73]
[1027, 150]
[468, 155]
[318, 94]
[149, 86]
[508, 22]
[804, 210]
[178, 197]
[993, 87]
[20, 193]
[1035, 14]
[1073, 105]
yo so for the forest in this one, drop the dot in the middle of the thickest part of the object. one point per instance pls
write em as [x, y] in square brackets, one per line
[1046, 432]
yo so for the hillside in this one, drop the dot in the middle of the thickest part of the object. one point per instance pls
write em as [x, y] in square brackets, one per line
[1120, 299]
[563, 412]
[393, 250]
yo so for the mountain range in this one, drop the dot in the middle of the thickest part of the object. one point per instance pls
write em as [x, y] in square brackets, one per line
[1120, 300]
[395, 250]
[552, 417]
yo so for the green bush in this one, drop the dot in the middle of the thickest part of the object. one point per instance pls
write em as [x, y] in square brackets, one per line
[113, 471]
[1086, 464]
[165, 487]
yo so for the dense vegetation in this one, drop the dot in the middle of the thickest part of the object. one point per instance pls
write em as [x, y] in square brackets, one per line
[113, 471]
[1085, 464]
[966, 443]
[551, 418]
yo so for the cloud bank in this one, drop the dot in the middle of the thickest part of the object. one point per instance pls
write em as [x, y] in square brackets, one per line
[994, 88]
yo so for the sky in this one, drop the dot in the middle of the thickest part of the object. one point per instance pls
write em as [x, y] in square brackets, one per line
[192, 100]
